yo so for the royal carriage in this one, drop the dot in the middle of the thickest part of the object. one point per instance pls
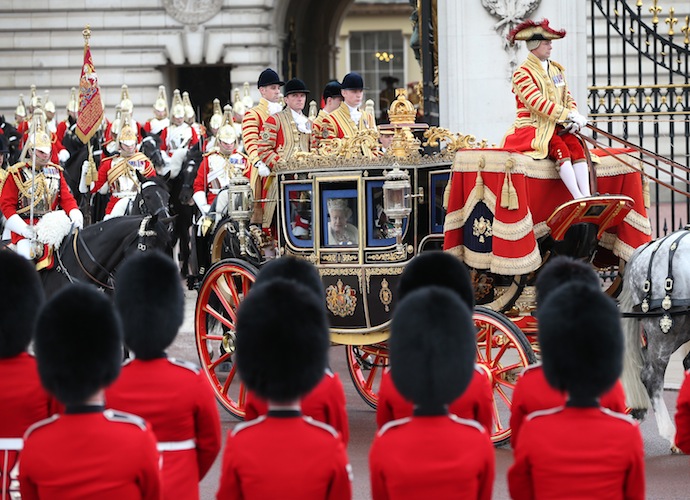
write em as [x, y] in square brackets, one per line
[500, 212]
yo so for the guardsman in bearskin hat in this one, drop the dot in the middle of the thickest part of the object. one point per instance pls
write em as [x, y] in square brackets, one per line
[150, 300]
[476, 403]
[432, 454]
[579, 450]
[347, 119]
[118, 174]
[547, 115]
[22, 397]
[332, 99]
[269, 84]
[283, 454]
[532, 391]
[42, 187]
[326, 402]
[89, 452]
[160, 119]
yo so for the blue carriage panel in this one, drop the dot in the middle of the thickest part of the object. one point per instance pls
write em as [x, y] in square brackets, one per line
[437, 186]
[298, 214]
[378, 224]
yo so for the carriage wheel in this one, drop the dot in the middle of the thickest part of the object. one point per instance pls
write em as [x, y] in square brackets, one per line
[612, 278]
[496, 292]
[503, 351]
[226, 244]
[366, 364]
[223, 289]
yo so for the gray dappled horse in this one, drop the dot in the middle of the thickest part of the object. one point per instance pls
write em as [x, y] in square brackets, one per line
[655, 297]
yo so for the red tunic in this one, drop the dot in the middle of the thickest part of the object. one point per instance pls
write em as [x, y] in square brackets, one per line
[432, 457]
[216, 165]
[578, 453]
[325, 403]
[106, 455]
[144, 165]
[144, 388]
[287, 456]
[683, 416]
[476, 403]
[533, 393]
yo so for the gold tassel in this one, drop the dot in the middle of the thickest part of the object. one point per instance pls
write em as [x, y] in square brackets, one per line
[645, 192]
[91, 172]
[479, 185]
[513, 203]
[505, 192]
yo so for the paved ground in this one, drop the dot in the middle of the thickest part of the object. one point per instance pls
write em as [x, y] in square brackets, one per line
[668, 476]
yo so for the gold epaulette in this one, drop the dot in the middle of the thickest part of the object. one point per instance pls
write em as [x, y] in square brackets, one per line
[14, 169]
[213, 150]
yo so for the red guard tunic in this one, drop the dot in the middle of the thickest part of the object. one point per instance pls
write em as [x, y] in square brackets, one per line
[214, 172]
[578, 453]
[432, 457]
[188, 421]
[118, 173]
[532, 393]
[107, 455]
[23, 402]
[325, 403]
[287, 456]
[683, 416]
[476, 403]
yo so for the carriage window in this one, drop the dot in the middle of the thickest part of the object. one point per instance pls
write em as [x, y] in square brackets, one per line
[298, 214]
[378, 225]
[339, 207]
[438, 213]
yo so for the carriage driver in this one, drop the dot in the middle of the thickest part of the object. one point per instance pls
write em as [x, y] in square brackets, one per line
[44, 186]
[547, 116]
[118, 174]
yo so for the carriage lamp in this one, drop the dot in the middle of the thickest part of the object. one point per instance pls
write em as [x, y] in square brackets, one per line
[240, 206]
[397, 200]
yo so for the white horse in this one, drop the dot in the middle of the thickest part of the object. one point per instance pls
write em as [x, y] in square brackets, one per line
[658, 294]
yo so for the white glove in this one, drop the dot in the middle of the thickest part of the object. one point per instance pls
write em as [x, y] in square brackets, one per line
[63, 155]
[111, 147]
[83, 188]
[264, 171]
[572, 128]
[577, 118]
[17, 225]
[77, 218]
[200, 199]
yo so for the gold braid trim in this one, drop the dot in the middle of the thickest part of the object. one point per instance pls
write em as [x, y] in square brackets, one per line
[24, 185]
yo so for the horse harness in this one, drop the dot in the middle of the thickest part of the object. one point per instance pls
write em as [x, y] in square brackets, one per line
[668, 306]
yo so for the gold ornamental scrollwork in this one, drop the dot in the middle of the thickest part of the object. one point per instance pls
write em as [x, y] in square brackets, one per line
[382, 271]
[482, 229]
[338, 258]
[385, 295]
[344, 272]
[341, 299]
[435, 135]
[393, 256]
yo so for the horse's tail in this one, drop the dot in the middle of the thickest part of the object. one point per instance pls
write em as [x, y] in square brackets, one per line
[633, 362]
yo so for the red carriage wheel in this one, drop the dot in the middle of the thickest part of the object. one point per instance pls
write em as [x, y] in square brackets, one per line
[503, 351]
[366, 364]
[224, 287]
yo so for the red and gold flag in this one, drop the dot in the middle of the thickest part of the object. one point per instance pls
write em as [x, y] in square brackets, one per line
[90, 107]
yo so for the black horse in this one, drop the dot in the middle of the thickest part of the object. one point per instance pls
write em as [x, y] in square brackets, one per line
[14, 138]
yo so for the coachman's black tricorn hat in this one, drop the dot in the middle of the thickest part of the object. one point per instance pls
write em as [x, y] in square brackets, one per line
[296, 86]
[353, 81]
[269, 77]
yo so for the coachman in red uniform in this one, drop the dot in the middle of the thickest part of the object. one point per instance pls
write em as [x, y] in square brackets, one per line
[326, 402]
[283, 454]
[579, 450]
[22, 398]
[150, 300]
[432, 454]
[89, 452]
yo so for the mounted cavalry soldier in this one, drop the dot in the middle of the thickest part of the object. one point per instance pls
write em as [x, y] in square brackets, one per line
[34, 188]
[71, 121]
[118, 174]
[348, 119]
[160, 118]
[178, 134]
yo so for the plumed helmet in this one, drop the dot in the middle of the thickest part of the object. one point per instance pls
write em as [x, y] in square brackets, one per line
[432, 348]
[581, 341]
[293, 269]
[561, 270]
[161, 103]
[22, 298]
[78, 344]
[217, 117]
[73, 103]
[177, 107]
[352, 81]
[226, 132]
[299, 342]
[247, 97]
[127, 135]
[238, 107]
[21, 107]
[126, 103]
[33, 97]
[332, 89]
[269, 77]
[188, 108]
[39, 138]
[296, 86]
[438, 269]
[49, 105]
[150, 301]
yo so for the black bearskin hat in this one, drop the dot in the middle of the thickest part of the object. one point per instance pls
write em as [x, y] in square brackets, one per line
[292, 269]
[440, 269]
[78, 343]
[581, 341]
[150, 300]
[432, 347]
[282, 340]
[22, 297]
[561, 270]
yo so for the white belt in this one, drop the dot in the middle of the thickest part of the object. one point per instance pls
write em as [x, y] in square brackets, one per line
[127, 194]
[187, 444]
[11, 444]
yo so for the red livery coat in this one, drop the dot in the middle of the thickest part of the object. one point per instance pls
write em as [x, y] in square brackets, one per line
[432, 457]
[533, 393]
[287, 456]
[683, 416]
[476, 403]
[325, 403]
[145, 388]
[571, 452]
[105, 454]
